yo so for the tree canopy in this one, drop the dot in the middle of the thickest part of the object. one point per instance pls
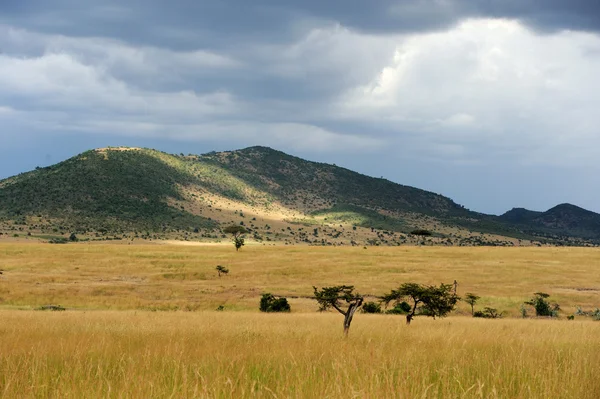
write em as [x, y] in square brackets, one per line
[472, 299]
[236, 235]
[338, 297]
[428, 300]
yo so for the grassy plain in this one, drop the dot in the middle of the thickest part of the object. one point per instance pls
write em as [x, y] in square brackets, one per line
[177, 277]
[108, 344]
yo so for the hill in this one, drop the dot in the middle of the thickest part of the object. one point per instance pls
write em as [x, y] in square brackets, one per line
[562, 221]
[128, 193]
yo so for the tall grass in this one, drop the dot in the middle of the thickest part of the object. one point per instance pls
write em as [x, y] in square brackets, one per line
[90, 353]
[238, 355]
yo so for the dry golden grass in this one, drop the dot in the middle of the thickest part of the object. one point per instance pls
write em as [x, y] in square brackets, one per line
[237, 355]
[168, 277]
[91, 352]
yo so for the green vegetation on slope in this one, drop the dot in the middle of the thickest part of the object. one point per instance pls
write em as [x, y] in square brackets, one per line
[290, 178]
[113, 190]
[362, 217]
[125, 190]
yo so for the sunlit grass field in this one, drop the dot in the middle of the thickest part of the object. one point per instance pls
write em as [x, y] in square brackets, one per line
[141, 322]
[235, 355]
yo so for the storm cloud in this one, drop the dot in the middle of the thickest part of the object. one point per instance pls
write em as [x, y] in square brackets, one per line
[492, 103]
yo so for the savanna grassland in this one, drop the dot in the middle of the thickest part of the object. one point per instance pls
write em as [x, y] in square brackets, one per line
[141, 322]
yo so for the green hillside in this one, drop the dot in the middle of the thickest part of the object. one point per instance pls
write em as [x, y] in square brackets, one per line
[289, 178]
[149, 193]
[113, 191]
[322, 188]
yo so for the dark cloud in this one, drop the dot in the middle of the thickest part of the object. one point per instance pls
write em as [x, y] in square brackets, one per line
[189, 24]
[337, 76]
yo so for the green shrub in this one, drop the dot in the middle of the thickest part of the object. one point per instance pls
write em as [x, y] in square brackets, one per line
[58, 240]
[488, 313]
[54, 308]
[371, 307]
[270, 303]
[400, 308]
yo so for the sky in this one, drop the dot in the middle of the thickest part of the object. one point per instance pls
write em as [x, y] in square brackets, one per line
[493, 103]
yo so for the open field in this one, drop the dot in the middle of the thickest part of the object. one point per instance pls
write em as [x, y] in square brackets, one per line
[110, 344]
[172, 277]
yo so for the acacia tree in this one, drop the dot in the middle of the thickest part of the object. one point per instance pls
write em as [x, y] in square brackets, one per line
[429, 300]
[334, 297]
[237, 233]
[542, 306]
[471, 299]
[221, 270]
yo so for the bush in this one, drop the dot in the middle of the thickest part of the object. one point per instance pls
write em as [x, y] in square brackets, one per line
[270, 303]
[58, 240]
[595, 314]
[400, 308]
[488, 313]
[371, 307]
[54, 308]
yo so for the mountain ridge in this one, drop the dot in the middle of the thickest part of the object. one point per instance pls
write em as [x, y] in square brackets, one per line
[145, 193]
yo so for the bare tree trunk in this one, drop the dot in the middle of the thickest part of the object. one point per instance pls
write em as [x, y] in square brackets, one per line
[350, 314]
[410, 316]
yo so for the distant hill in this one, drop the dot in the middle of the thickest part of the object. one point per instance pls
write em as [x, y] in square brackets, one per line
[564, 220]
[519, 215]
[128, 193]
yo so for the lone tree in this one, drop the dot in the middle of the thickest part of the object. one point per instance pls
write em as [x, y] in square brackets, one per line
[542, 306]
[236, 235]
[334, 297]
[471, 299]
[221, 270]
[421, 233]
[429, 300]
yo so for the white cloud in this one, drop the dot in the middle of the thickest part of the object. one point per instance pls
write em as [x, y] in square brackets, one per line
[61, 84]
[326, 55]
[6, 111]
[116, 57]
[486, 85]
[482, 91]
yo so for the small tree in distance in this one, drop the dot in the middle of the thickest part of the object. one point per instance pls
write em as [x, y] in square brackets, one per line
[471, 299]
[221, 270]
[236, 234]
[334, 297]
[430, 300]
[542, 306]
